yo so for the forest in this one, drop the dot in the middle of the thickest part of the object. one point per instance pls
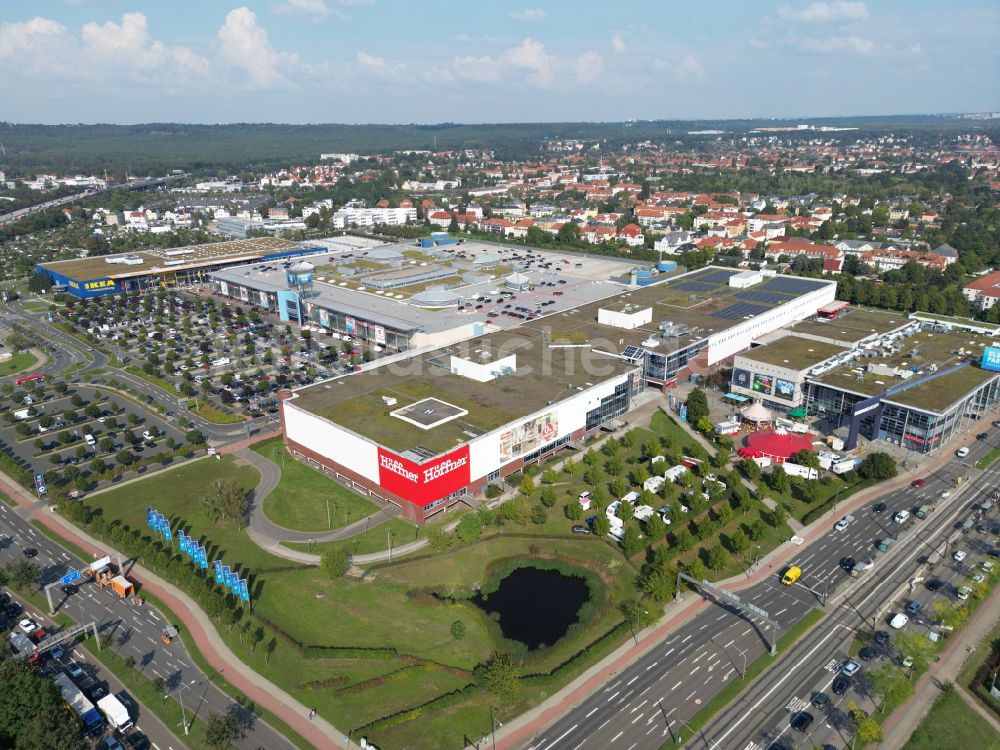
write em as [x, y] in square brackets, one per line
[157, 148]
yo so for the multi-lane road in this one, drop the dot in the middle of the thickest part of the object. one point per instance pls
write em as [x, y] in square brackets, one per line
[129, 630]
[647, 704]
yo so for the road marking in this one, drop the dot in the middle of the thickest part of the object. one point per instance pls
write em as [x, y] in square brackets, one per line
[613, 696]
[687, 638]
[691, 696]
[636, 719]
[704, 626]
[639, 706]
[722, 616]
[617, 736]
[669, 652]
[676, 686]
[648, 668]
[730, 643]
[726, 675]
[747, 631]
[632, 680]
[592, 712]
[604, 723]
[781, 612]
[612, 687]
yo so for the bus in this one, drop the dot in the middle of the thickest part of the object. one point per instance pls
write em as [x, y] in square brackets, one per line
[89, 717]
[39, 377]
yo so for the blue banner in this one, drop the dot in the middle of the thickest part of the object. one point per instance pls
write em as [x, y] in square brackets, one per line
[150, 514]
[244, 591]
[225, 575]
[232, 581]
[182, 541]
[203, 558]
[219, 573]
[166, 531]
[991, 359]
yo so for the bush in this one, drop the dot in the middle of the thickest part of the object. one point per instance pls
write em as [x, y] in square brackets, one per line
[548, 497]
[470, 528]
[539, 515]
[335, 562]
[493, 492]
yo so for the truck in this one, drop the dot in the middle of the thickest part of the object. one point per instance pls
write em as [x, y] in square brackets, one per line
[23, 646]
[796, 470]
[923, 511]
[859, 568]
[88, 716]
[726, 428]
[848, 464]
[115, 713]
[121, 586]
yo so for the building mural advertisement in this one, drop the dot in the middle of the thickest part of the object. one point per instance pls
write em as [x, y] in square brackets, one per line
[527, 436]
[784, 389]
[263, 299]
[427, 482]
[244, 294]
[349, 324]
[741, 378]
[324, 318]
[991, 359]
[763, 383]
[379, 335]
[224, 288]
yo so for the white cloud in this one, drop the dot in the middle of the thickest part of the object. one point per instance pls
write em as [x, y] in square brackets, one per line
[827, 44]
[483, 69]
[618, 44]
[528, 15]
[39, 45]
[129, 46]
[380, 67]
[834, 12]
[245, 46]
[531, 56]
[686, 70]
[307, 10]
[589, 67]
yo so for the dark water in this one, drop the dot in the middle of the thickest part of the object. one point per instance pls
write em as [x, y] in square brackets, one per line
[536, 607]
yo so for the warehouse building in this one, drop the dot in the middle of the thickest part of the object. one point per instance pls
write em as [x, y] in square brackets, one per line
[434, 430]
[158, 267]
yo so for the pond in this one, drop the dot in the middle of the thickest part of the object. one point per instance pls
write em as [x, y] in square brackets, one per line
[535, 606]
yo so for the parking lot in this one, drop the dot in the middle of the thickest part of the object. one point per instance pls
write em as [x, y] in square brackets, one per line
[80, 437]
[214, 355]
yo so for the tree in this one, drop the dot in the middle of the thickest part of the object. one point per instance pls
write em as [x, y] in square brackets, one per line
[470, 528]
[195, 437]
[704, 425]
[778, 515]
[716, 557]
[865, 727]
[697, 405]
[335, 562]
[269, 648]
[457, 630]
[549, 476]
[812, 490]
[23, 574]
[657, 583]
[159, 686]
[31, 715]
[497, 675]
[779, 480]
[602, 526]
[229, 499]
[539, 515]
[739, 542]
[807, 457]
[950, 615]
[222, 731]
[548, 497]
[574, 511]
[255, 637]
[625, 511]
[684, 539]
[878, 467]
[655, 528]
[527, 485]
[631, 540]
[890, 684]
[636, 614]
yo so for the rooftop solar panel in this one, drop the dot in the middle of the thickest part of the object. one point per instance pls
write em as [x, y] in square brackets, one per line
[768, 298]
[714, 276]
[695, 286]
[790, 285]
[739, 311]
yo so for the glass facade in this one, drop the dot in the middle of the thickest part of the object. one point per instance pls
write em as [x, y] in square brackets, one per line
[615, 404]
[663, 367]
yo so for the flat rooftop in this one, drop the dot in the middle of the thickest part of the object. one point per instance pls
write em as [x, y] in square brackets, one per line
[155, 259]
[794, 352]
[370, 402]
[852, 326]
[923, 351]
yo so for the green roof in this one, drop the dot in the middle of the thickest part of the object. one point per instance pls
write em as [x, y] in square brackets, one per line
[794, 352]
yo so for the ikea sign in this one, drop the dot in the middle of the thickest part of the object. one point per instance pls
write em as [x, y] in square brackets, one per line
[991, 359]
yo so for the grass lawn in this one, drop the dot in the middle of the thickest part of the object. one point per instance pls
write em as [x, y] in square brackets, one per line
[952, 725]
[208, 412]
[18, 362]
[137, 372]
[988, 459]
[300, 500]
[35, 307]
[375, 540]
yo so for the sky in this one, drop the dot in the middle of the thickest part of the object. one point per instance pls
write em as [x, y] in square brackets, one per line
[393, 61]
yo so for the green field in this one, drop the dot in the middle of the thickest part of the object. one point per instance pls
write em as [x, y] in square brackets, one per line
[374, 540]
[17, 363]
[304, 496]
[952, 725]
[208, 412]
[35, 306]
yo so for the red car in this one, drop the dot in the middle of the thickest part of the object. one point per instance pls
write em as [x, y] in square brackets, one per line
[917, 483]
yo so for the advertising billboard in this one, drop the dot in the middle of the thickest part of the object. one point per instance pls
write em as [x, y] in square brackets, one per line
[784, 389]
[763, 383]
[244, 294]
[991, 359]
[224, 288]
[379, 335]
[527, 436]
[741, 378]
[263, 299]
[324, 318]
[424, 483]
[349, 324]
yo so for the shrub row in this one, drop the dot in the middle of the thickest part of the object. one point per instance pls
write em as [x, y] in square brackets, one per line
[409, 714]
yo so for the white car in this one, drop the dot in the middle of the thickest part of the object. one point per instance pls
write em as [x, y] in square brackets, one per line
[978, 578]
[962, 452]
[959, 555]
[963, 593]
[902, 516]
[27, 625]
[843, 523]
[898, 621]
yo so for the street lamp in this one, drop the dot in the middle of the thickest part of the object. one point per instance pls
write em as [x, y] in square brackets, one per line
[493, 726]
[180, 699]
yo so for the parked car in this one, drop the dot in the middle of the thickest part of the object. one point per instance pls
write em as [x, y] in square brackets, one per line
[918, 483]
[841, 685]
[959, 555]
[912, 607]
[820, 700]
[802, 721]
[581, 530]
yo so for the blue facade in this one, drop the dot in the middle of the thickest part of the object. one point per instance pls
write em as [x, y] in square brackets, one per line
[289, 307]
[85, 289]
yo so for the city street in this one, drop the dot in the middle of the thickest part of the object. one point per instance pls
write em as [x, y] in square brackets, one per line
[130, 631]
[650, 700]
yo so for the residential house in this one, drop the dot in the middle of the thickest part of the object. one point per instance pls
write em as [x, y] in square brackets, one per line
[984, 291]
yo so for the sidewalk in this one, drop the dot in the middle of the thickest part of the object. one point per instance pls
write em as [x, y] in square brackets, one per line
[519, 731]
[318, 732]
[904, 720]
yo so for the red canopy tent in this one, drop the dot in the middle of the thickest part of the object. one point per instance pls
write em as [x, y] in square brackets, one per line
[777, 445]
